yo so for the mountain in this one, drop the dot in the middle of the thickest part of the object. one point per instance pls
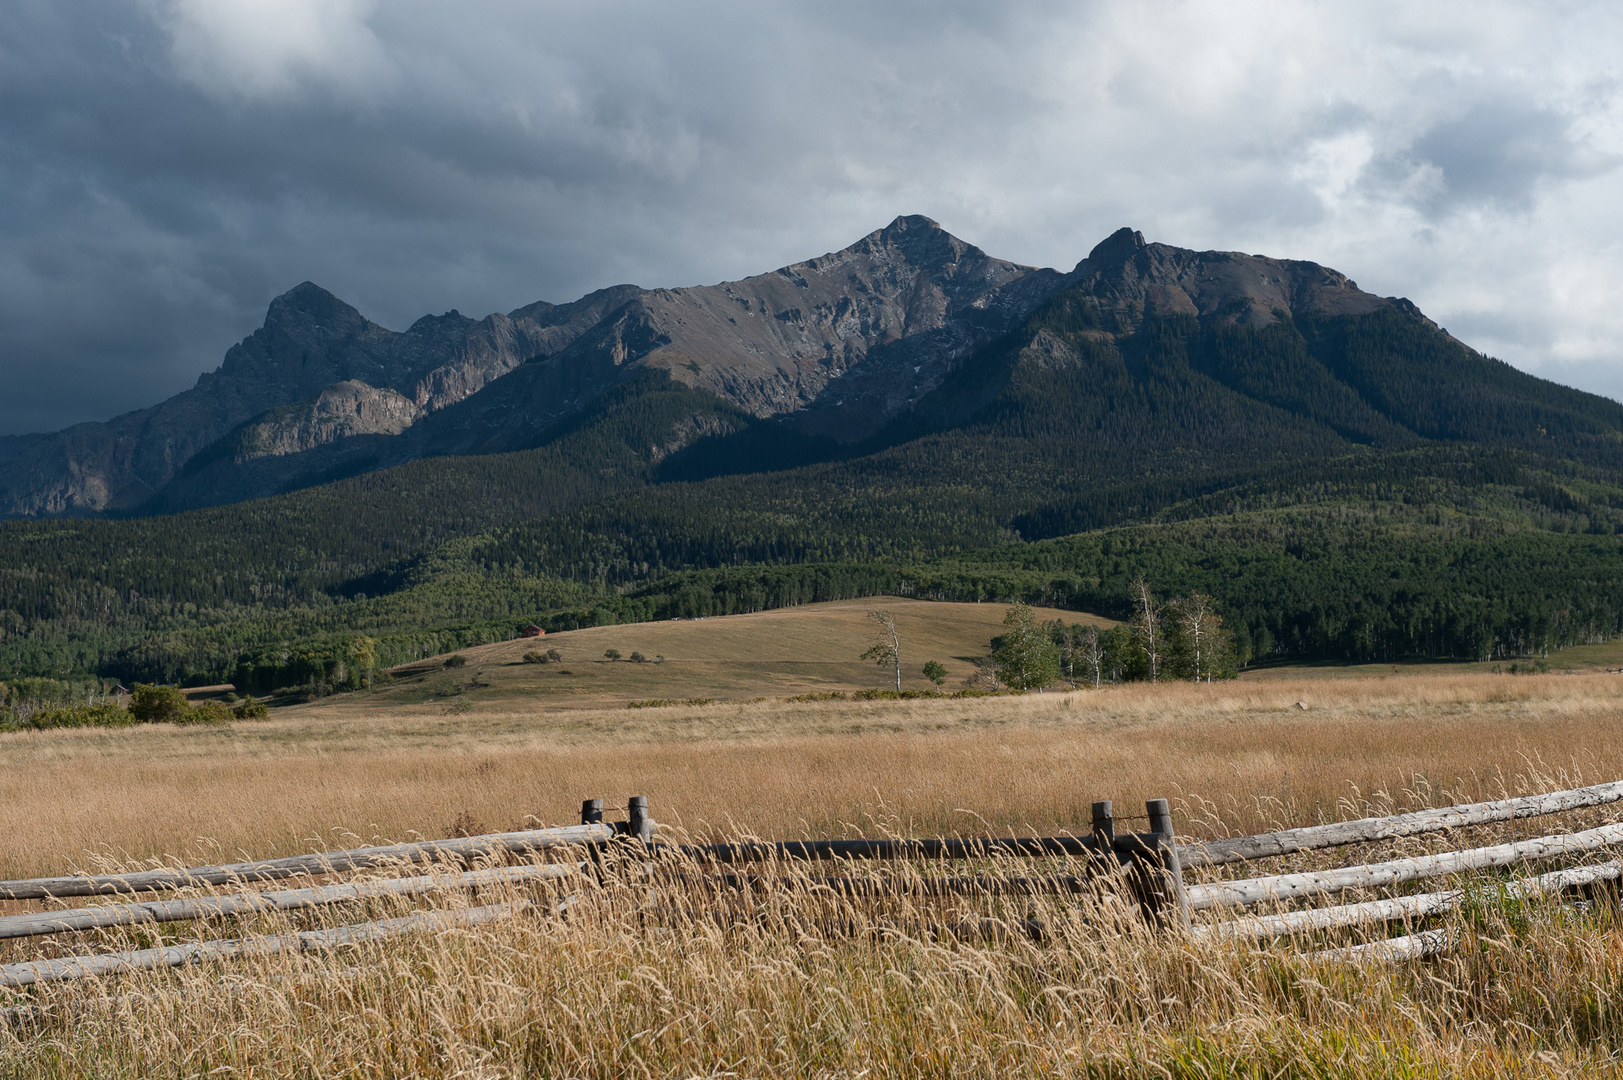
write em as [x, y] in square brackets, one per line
[907, 414]
[861, 347]
[856, 349]
[319, 391]
[283, 381]
[1151, 360]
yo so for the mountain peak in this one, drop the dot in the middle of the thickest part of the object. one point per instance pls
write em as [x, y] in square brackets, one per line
[910, 223]
[306, 302]
[918, 239]
[1118, 246]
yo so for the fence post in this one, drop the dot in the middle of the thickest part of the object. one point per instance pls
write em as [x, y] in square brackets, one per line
[1166, 871]
[1104, 827]
[591, 812]
[638, 821]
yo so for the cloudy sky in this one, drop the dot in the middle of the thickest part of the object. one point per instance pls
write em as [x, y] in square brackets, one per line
[168, 166]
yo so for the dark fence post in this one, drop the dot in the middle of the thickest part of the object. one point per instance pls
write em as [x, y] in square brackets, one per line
[591, 812]
[638, 821]
[1163, 870]
[1104, 827]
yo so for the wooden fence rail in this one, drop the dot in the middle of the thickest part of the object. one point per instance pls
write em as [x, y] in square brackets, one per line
[249, 903]
[949, 848]
[1149, 863]
[1400, 908]
[461, 849]
[1397, 871]
[79, 967]
[1367, 830]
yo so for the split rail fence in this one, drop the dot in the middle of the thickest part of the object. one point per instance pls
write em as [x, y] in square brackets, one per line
[1147, 868]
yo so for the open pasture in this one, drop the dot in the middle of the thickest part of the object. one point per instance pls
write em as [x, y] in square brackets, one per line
[619, 988]
[1256, 753]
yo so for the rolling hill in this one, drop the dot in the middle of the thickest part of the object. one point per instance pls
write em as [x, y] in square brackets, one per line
[809, 649]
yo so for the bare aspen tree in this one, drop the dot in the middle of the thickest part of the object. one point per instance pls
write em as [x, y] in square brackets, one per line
[887, 647]
[1091, 651]
[1199, 624]
[1147, 624]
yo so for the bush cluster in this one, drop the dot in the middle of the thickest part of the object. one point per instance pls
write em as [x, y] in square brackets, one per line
[149, 704]
[79, 716]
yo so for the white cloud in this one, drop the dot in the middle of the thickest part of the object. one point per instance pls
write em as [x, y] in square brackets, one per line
[266, 49]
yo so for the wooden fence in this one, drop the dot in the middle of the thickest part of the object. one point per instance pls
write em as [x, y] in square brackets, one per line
[1147, 865]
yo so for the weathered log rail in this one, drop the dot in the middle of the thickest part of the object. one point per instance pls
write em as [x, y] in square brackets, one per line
[1401, 908]
[1148, 864]
[34, 972]
[461, 849]
[251, 903]
[1396, 826]
[1281, 887]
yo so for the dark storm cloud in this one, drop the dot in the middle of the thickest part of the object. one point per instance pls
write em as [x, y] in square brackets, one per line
[168, 166]
[1495, 154]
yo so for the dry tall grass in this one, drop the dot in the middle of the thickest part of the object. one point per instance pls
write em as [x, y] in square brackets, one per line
[1035, 762]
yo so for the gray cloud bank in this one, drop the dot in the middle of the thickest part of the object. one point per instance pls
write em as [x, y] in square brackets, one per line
[168, 166]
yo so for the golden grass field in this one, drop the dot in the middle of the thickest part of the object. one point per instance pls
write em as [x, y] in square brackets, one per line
[1531, 991]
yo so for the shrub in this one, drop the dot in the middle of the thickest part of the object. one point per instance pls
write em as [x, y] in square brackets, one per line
[638, 658]
[533, 657]
[935, 672]
[80, 716]
[249, 709]
[611, 654]
[210, 712]
[151, 704]
[655, 703]
[456, 661]
[555, 656]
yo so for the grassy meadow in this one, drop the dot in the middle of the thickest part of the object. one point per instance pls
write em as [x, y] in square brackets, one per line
[780, 653]
[625, 986]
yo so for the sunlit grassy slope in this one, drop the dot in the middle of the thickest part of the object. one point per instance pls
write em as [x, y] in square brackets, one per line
[812, 649]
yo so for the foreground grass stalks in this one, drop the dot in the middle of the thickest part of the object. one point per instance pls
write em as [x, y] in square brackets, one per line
[662, 973]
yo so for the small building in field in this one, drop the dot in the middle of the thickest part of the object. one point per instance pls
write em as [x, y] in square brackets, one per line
[532, 631]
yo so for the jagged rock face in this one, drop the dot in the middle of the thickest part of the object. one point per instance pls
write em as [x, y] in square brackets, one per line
[775, 342]
[838, 344]
[845, 341]
[310, 345]
[341, 411]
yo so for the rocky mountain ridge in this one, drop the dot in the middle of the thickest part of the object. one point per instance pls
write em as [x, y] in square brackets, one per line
[838, 345]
